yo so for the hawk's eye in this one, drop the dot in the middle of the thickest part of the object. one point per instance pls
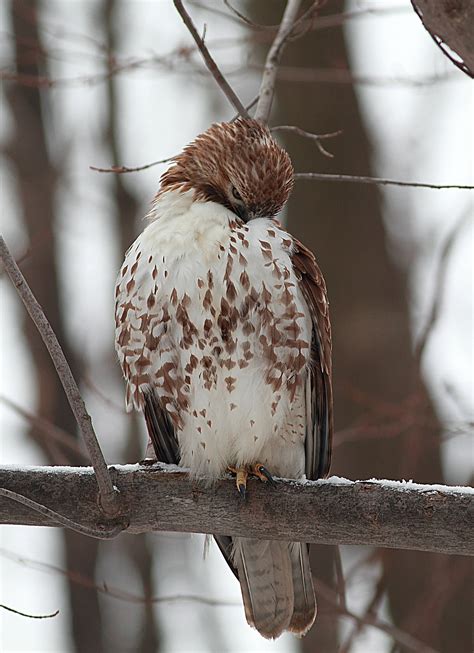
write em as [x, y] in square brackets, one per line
[236, 194]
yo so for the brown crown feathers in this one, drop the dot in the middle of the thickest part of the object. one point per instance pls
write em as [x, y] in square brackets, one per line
[236, 164]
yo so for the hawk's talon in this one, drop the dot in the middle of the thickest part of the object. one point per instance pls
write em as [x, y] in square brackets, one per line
[148, 462]
[242, 473]
[261, 472]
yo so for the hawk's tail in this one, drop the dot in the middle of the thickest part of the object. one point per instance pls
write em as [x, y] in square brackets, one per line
[277, 587]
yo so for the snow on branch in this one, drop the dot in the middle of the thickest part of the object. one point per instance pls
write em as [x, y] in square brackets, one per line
[389, 514]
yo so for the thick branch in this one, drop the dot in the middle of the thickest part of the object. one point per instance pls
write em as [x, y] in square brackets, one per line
[109, 498]
[335, 511]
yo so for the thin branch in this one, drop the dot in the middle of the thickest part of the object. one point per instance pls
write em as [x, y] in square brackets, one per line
[317, 138]
[370, 610]
[439, 285]
[245, 20]
[108, 495]
[110, 590]
[30, 616]
[249, 106]
[267, 86]
[340, 582]
[209, 61]
[56, 518]
[357, 179]
[122, 169]
[334, 511]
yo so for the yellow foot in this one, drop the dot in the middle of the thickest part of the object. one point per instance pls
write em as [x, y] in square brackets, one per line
[242, 474]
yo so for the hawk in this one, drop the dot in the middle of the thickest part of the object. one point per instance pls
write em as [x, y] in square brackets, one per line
[224, 339]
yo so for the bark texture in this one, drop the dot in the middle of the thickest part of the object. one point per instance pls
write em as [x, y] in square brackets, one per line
[380, 513]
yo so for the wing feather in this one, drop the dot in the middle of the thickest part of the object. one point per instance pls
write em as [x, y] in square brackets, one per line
[319, 383]
[163, 437]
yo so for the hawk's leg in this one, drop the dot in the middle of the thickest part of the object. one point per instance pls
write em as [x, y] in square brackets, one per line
[242, 474]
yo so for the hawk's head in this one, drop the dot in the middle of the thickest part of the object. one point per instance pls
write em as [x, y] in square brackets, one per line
[236, 164]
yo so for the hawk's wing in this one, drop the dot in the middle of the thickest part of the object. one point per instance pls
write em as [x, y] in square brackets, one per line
[319, 383]
[162, 434]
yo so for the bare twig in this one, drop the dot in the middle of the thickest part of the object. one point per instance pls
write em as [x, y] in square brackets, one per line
[30, 616]
[209, 61]
[439, 286]
[267, 85]
[109, 496]
[56, 518]
[357, 179]
[317, 138]
[249, 106]
[122, 169]
[242, 18]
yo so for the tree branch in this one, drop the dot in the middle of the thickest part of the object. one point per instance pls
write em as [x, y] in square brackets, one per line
[357, 179]
[335, 511]
[209, 61]
[108, 495]
[317, 138]
[30, 616]
[267, 86]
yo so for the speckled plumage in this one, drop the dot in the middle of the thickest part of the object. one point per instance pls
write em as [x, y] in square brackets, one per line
[223, 336]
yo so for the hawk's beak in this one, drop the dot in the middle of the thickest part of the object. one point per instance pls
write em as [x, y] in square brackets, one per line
[245, 214]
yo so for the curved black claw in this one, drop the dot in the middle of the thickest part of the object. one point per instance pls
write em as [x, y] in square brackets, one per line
[148, 462]
[242, 491]
[264, 471]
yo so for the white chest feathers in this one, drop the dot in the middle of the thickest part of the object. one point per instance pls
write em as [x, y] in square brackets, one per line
[209, 315]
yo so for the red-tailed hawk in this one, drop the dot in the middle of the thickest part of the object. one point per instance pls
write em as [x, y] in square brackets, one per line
[223, 336]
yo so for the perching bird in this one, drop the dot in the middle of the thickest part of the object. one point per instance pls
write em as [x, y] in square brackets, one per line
[223, 335]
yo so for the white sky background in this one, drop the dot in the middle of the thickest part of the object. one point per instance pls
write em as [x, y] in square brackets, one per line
[420, 133]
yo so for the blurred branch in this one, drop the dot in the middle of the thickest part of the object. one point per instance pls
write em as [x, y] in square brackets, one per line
[439, 285]
[47, 429]
[450, 25]
[110, 590]
[108, 495]
[336, 511]
[267, 86]
[409, 642]
[321, 176]
[209, 61]
[370, 611]
[324, 22]
[30, 616]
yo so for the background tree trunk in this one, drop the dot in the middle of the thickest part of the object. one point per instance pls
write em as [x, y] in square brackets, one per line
[374, 366]
[37, 177]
